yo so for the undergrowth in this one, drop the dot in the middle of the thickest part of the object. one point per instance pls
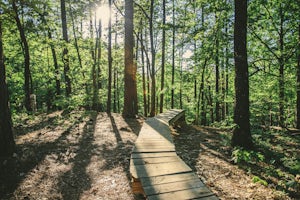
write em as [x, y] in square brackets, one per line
[274, 162]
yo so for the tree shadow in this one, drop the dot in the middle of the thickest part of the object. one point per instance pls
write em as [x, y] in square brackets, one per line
[29, 155]
[75, 181]
[134, 124]
[191, 142]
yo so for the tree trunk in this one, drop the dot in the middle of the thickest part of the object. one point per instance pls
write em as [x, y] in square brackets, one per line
[241, 134]
[115, 72]
[173, 55]
[7, 144]
[108, 105]
[25, 46]
[227, 72]
[56, 67]
[217, 108]
[99, 52]
[281, 70]
[298, 83]
[153, 84]
[77, 48]
[130, 88]
[163, 59]
[65, 51]
[143, 76]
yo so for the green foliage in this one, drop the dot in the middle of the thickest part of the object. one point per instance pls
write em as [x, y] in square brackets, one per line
[240, 155]
[256, 179]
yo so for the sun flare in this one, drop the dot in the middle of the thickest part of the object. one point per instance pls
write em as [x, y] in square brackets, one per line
[102, 13]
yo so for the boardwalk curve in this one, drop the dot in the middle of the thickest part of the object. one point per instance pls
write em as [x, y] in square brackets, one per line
[156, 170]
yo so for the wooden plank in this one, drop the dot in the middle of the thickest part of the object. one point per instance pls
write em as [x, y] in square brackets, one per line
[153, 145]
[152, 150]
[150, 170]
[212, 197]
[152, 155]
[183, 194]
[170, 116]
[145, 161]
[168, 178]
[176, 186]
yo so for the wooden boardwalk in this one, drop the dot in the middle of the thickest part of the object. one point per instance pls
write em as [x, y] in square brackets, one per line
[156, 170]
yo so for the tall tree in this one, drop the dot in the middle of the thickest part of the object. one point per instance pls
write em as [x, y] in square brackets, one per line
[163, 59]
[65, 51]
[173, 54]
[25, 47]
[7, 143]
[298, 81]
[217, 108]
[130, 88]
[241, 134]
[108, 107]
[152, 73]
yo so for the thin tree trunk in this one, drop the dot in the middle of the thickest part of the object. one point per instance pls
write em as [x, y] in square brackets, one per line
[7, 143]
[153, 84]
[163, 59]
[25, 46]
[298, 83]
[99, 52]
[241, 134]
[173, 55]
[227, 72]
[210, 103]
[108, 105]
[115, 72]
[77, 47]
[217, 108]
[56, 67]
[65, 51]
[181, 80]
[281, 70]
[143, 76]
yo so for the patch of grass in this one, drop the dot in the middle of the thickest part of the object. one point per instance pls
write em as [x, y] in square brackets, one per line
[256, 179]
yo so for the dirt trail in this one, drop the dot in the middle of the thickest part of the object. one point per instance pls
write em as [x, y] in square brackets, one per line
[78, 156]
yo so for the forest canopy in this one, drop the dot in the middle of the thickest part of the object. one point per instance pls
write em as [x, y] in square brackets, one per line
[183, 53]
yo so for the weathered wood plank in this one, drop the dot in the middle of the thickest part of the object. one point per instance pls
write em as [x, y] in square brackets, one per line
[152, 150]
[159, 144]
[146, 181]
[145, 161]
[150, 170]
[152, 155]
[211, 197]
[176, 186]
[183, 194]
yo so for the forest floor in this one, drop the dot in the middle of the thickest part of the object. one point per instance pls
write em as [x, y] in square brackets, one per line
[85, 155]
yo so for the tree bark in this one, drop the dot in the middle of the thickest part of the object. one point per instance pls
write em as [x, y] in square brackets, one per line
[281, 70]
[153, 84]
[130, 88]
[217, 108]
[65, 51]
[99, 55]
[108, 105]
[173, 55]
[241, 134]
[298, 82]
[25, 46]
[143, 76]
[7, 144]
[163, 59]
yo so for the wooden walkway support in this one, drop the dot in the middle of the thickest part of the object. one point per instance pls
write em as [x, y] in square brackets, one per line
[156, 170]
